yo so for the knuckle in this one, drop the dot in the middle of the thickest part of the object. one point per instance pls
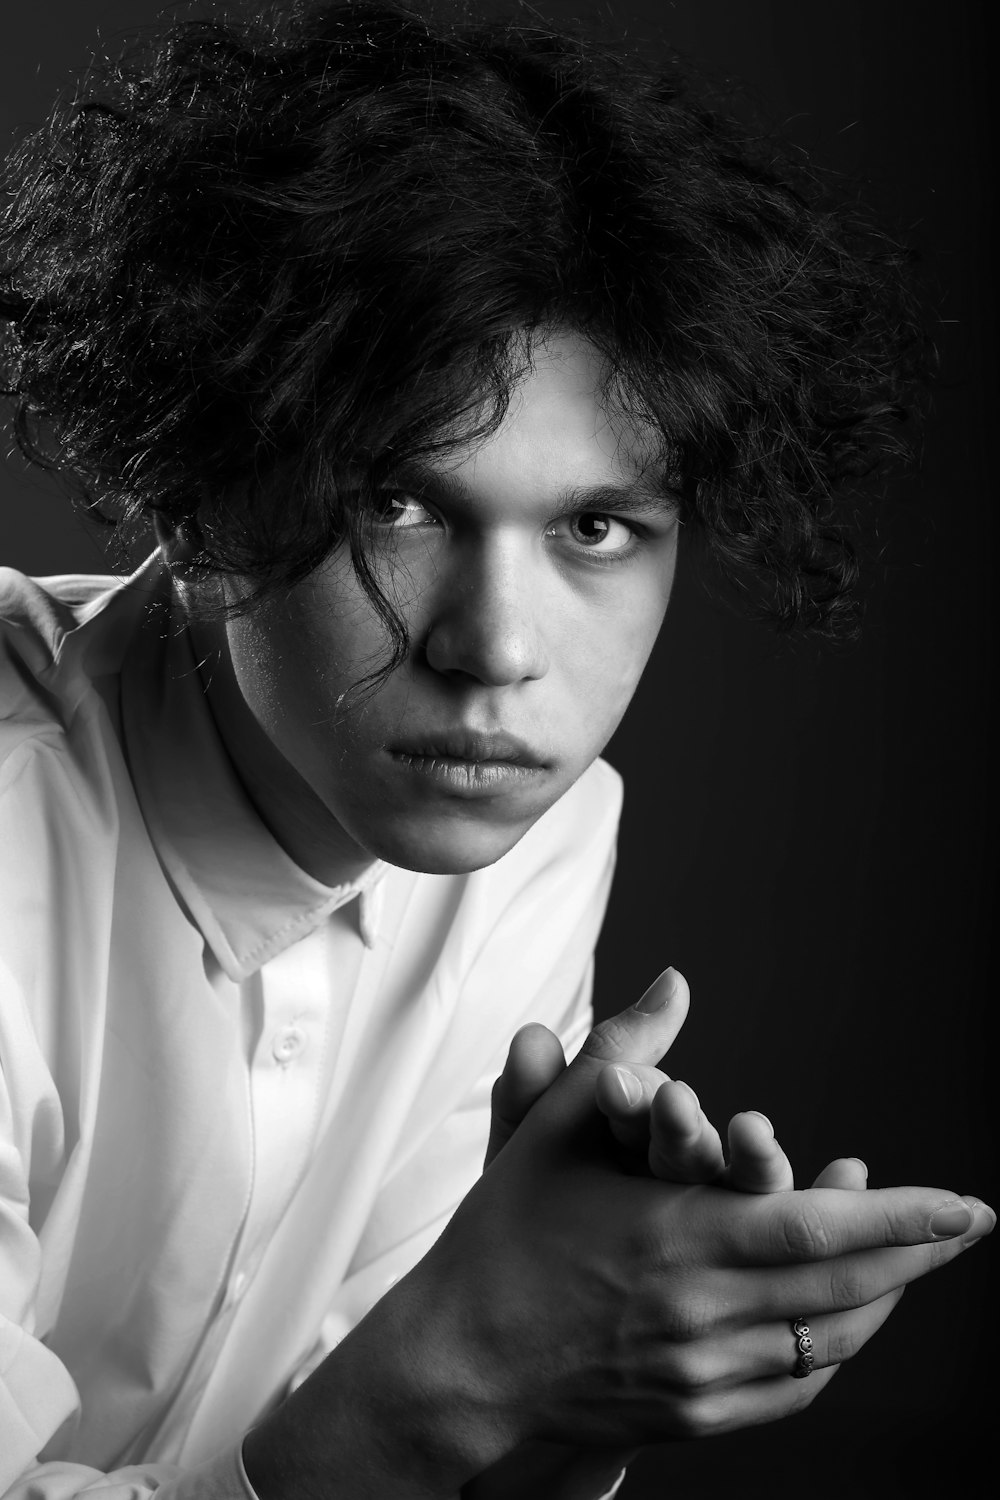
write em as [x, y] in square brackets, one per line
[608, 1040]
[690, 1319]
[886, 1229]
[688, 1369]
[804, 1232]
[699, 1416]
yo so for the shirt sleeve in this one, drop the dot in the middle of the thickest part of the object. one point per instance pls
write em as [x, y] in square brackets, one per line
[547, 1471]
[38, 1397]
[223, 1478]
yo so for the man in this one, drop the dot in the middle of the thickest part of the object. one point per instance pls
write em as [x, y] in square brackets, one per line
[416, 348]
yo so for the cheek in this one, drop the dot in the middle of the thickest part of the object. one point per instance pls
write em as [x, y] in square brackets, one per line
[296, 659]
[608, 669]
[616, 641]
[261, 670]
[280, 683]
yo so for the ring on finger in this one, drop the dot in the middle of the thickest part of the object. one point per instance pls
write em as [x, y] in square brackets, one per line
[805, 1358]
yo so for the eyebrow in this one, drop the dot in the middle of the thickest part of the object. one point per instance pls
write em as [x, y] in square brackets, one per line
[644, 495]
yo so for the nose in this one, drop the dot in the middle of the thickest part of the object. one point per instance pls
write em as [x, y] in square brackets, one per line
[486, 618]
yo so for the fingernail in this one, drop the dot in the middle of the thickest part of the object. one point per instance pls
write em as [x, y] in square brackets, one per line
[952, 1219]
[863, 1165]
[679, 1082]
[760, 1116]
[988, 1229]
[659, 993]
[629, 1085]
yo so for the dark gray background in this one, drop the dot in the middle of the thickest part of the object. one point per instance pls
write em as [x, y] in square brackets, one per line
[809, 833]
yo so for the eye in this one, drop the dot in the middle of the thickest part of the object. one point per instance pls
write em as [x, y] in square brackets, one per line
[599, 532]
[400, 512]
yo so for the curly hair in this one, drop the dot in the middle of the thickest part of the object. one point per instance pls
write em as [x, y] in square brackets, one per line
[252, 258]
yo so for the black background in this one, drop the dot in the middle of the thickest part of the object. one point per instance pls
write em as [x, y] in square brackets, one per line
[809, 833]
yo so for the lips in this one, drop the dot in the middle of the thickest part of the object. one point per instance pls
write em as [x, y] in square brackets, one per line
[469, 747]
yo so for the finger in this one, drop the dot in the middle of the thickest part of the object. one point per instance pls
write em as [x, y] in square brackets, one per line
[624, 1095]
[822, 1223]
[773, 1349]
[833, 1338]
[838, 1337]
[641, 1034]
[534, 1062]
[845, 1282]
[684, 1146]
[846, 1173]
[750, 1378]
[757, 1163]
[711, 1410]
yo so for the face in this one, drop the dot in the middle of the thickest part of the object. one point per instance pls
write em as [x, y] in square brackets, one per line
[532, 572]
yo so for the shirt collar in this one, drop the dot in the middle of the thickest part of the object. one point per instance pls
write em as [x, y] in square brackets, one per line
[249, 899]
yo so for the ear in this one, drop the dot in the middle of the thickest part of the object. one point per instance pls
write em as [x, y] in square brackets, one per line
[182, 551]
[179, 543]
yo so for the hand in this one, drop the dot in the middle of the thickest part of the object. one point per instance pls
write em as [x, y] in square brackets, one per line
[575, 1303]
[662, 1129]
[656, 1119]
[621, 1311]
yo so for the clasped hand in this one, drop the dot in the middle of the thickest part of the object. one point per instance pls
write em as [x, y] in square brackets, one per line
[611, 1280]
[596, 1305]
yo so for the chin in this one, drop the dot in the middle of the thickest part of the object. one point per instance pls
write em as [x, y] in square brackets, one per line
[450, 846]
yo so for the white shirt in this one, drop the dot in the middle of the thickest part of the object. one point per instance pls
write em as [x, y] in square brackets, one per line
[235, 1104]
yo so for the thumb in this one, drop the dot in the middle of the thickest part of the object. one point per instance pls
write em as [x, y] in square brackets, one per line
[534, 1061]
[641, 1034]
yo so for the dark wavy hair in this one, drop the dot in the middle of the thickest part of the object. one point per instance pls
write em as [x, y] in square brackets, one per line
[252, 259]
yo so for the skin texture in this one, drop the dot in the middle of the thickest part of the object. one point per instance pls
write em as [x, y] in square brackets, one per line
[532, 604]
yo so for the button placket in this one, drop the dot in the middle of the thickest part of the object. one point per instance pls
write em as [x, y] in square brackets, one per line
[288, 1043]
[285, 1085]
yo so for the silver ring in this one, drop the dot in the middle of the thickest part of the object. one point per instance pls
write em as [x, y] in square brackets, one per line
[805, 1359]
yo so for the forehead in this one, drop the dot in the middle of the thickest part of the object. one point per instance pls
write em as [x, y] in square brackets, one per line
[560, 432]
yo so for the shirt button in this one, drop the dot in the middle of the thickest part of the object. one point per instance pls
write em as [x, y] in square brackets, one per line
[287, 1044]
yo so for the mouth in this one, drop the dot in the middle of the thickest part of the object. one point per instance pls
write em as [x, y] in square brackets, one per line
[469, 762]
[469, 747]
